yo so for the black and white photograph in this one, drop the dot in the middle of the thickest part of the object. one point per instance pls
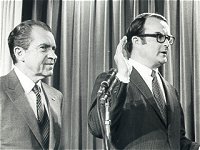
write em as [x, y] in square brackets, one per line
[100, 74]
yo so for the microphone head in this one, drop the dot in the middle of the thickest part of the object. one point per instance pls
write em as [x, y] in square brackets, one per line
[105, 83]
[113, 71]
[111, 75]
[108, 80]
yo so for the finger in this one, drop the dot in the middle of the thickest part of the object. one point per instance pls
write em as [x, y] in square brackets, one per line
[123, 41]
[125, 54]
[121, 45]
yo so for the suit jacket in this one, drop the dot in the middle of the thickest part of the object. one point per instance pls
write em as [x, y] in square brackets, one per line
[19, 127]
[136, 121]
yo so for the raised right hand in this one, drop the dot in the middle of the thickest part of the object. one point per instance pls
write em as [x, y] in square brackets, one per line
[121, 58]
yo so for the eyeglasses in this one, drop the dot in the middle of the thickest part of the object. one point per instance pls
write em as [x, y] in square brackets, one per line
[160, 37]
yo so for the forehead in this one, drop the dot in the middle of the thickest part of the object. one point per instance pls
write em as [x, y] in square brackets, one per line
[42, 35]
[154, 25]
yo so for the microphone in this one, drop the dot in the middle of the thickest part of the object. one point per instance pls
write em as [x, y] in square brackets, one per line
[103, 103]
[112, 73]
[106, 83]
[108, 92]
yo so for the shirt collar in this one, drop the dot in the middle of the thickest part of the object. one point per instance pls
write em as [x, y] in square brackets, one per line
[142, 69]
[25, 81]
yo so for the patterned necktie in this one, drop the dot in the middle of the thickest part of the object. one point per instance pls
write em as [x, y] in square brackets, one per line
[159, 96]
[42, 117]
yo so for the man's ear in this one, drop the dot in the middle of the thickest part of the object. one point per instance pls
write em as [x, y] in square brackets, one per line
[136, 40]
[19, 53]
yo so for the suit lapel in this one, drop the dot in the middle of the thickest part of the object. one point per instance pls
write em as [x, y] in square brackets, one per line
[170, 99]
[19, 99]
[138, 81]
[50, 100]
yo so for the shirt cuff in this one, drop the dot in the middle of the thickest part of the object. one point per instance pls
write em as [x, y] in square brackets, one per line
[123, 78]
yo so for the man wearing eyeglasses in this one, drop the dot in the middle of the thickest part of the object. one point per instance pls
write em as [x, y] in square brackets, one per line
[145, 110]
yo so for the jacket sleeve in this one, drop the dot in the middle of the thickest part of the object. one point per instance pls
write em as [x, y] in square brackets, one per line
[118, 92]
[185, 143]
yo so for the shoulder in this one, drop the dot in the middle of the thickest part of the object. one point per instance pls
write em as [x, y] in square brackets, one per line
[108, 77]
[167, 83]
[169, 86]
[104, 75]
[8, 80]
[101, 77]
[52, 89]
[5, 77]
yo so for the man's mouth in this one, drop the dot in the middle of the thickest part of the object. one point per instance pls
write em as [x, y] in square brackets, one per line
[49, 64]
[164, 52]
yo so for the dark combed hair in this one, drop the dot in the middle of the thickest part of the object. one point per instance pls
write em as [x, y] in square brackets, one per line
[137, 27]
[20, 35]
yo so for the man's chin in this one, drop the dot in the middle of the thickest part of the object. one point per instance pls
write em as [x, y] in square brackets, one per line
[163, 61]
[49, 74]
[45, 74]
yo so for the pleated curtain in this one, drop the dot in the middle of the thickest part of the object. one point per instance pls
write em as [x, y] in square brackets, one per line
[87, 34]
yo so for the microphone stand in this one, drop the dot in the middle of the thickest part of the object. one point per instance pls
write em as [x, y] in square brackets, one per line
[104, 98]
[100, 112]
[107, 118]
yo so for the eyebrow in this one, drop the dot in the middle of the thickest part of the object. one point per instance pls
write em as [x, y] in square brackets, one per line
[162, 33]
[47, 46]
[158, 33]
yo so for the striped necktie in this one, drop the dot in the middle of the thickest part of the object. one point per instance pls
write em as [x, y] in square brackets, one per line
[159, 96]
[42, 117]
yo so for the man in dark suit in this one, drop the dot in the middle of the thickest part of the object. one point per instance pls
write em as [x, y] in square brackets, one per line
[30, 109]
[145, 110]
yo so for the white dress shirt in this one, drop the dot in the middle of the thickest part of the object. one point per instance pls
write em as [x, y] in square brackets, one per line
[145, 73]
[28, 85]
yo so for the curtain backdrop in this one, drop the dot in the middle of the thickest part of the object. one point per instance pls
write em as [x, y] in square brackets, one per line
[87, 34]
[10, 16]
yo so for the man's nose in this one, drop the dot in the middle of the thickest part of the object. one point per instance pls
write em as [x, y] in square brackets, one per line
[52, 55]
[166, 43]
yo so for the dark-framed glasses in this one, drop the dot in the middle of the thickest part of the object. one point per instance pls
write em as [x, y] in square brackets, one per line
[160, 37]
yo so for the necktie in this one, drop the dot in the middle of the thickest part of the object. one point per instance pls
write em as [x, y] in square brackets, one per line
[159, 96]
[42, 117]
